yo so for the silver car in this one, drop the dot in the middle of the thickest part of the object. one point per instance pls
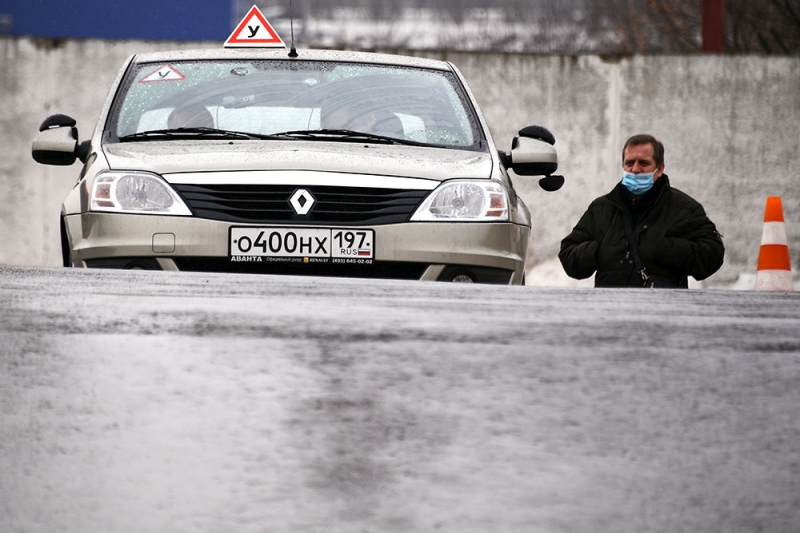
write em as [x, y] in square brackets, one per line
[327, 163]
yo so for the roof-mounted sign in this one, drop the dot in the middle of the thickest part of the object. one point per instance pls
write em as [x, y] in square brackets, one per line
[254, 31]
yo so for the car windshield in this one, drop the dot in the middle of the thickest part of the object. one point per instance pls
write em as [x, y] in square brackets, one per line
[309, 100]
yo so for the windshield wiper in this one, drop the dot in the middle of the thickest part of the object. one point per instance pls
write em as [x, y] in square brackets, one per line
[314, 135]
[194, 133]
[347, 136]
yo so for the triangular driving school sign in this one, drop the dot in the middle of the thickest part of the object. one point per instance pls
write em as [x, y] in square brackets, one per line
[254, 31]
[165, 73]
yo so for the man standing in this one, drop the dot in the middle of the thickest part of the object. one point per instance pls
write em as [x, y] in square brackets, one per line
[643, 233]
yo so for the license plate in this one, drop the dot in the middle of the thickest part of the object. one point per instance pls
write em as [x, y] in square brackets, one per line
[302, 242]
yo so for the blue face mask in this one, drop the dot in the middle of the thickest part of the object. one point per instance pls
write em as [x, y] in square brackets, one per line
[638, 183]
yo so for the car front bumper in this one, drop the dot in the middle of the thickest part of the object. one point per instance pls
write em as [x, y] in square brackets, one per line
[484, 252]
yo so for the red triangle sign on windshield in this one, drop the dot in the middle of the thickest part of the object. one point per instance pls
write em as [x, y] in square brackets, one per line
[254, 31]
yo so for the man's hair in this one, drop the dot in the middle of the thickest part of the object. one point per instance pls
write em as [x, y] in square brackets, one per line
[643, 138]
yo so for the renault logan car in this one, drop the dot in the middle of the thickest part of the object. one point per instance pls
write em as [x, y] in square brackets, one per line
[314, 163]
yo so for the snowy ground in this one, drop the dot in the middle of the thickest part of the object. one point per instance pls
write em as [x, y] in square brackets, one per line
[142, 402]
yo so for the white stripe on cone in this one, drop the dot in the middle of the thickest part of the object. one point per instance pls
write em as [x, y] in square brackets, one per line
[774, 280]
[774, 233]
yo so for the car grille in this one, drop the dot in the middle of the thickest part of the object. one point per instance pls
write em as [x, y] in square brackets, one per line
[378, 269]
[332, 205]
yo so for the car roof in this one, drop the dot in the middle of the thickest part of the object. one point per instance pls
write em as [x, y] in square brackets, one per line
[283, 53]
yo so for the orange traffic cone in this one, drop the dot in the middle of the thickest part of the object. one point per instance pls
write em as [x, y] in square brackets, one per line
[774, 266]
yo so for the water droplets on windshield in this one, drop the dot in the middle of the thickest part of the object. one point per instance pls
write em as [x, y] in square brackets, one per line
[268, 97]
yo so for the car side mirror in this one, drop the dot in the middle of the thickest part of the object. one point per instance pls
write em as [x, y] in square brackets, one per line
[551, 183]
[533, 154]
[57, 142]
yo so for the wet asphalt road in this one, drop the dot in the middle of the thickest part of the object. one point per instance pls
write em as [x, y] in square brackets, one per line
[148, 402]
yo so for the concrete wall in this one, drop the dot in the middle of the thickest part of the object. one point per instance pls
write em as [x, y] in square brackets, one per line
[731, 126]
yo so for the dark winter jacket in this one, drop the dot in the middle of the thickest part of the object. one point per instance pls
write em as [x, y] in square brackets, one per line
[674, 236]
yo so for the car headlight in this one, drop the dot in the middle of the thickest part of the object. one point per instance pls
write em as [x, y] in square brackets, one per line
[468, 200]
[136, 192]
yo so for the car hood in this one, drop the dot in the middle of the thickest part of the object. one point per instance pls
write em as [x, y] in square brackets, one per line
[175, 157]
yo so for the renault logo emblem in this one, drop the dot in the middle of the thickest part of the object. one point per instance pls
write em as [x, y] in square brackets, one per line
[302, 201]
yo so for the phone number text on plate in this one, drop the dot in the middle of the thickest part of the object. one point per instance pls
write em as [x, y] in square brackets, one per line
[302, 242]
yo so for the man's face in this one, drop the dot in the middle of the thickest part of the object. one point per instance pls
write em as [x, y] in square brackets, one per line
[639, 158]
